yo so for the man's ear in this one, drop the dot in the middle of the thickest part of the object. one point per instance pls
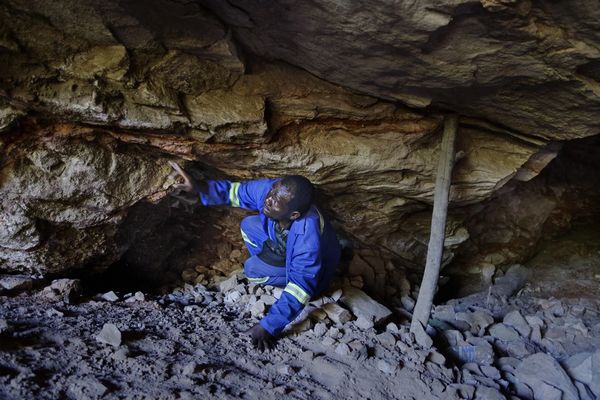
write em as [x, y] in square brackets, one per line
[295, 215]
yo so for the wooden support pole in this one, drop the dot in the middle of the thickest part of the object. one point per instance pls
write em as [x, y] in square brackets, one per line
[438, 226]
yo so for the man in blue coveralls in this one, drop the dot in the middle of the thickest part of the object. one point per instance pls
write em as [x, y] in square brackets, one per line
[291, 243]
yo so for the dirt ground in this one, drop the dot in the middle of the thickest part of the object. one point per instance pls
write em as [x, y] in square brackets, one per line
[49, 351]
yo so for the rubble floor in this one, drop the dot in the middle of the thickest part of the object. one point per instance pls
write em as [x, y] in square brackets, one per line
[176, 348]
[49, 351]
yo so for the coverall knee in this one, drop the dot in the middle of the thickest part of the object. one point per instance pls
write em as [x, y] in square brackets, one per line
[256, 269]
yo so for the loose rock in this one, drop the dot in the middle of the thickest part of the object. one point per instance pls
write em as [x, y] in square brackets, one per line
[110, 334]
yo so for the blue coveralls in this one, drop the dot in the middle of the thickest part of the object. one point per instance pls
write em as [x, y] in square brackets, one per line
[312, 249]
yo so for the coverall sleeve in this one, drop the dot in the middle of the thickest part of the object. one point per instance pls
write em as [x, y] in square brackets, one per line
[303, 277]
[249, 195]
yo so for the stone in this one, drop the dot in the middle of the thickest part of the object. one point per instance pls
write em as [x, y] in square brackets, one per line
[228, 284]
[232, 297]
[62, 289]
[342, 349]
[488, 393]
[477, 320]
[504, 332]
[268, 299]
[53, 312]
[386, 366]
[408, 303]
[189, 275]
[421, 337]
[336, 313]
[364, 306]
[137, 296]
[436, 358]
[363, 323]
[585, 368]
[109, 334]
[392, 328]
[320, 329]
[540, 370]
[516, 320]
[386, 339]
[110, 296]
[3, 325]
[15, 282]
[258, 309]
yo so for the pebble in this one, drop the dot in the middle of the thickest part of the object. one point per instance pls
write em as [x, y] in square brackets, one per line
[516, 320]
[421, 337]
[258, 309]
[16, 282]
[320, 329]
[228, 284]
[386, 366]
[386, 339]
[408, 303]
[363, 323]
[110, 334]
[137, 296]
[504, 332]
[52, 312]
[110, 296]
[3, 325]
[539, 368]
[336, 313]
[342, 349]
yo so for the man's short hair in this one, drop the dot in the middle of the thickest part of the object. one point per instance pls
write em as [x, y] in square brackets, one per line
[302, 191]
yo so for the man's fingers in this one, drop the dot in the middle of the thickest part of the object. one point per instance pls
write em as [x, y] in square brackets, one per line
[269, 345]
[261, 345]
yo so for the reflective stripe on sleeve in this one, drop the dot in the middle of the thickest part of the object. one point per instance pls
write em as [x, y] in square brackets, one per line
[321, 221]
[247, 239]
[259, 280]
[233, 194]
[297, 292]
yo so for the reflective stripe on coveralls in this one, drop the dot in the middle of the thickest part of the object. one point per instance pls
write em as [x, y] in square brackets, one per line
[247, 239]
[258, 280]
[233, 195]
[297, 292]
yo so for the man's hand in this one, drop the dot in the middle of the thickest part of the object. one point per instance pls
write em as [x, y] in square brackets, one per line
[189, 184]
[261, 339]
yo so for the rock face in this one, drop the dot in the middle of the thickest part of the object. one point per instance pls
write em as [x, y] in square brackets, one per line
[529, 66]
[95, 97]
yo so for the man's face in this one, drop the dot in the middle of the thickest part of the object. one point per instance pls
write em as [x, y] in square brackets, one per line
[277, 201]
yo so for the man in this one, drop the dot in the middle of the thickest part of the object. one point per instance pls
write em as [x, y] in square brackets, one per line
[290, 242]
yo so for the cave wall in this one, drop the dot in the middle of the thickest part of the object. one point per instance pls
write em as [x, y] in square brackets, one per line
[95, 97]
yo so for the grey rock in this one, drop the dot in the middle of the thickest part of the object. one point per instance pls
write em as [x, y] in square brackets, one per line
[421, 337]
[336, 313]
[386, 366]
[364, 306]
[544, 375]
[228, 284]
[465, 391]
[364, 323]
[109, 334]
[258, 309]
[585, 368]
[110, 296]
[408, 303]
[488, 393]
[15, 282]
[62, 289]
[3, 325]
[516, 320]
[342, 349]
[386, 339]
[503, 332]
[268, 299]
[320, 329]
[477, 320]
